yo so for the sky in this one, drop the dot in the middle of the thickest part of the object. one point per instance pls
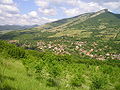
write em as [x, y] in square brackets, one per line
[31, 12]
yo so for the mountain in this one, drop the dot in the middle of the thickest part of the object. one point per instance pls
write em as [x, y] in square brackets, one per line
[78, 53]
[63, 22]
[15, 27]
[95, 34]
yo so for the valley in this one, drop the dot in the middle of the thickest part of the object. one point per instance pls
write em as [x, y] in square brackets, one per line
[77, 53]
[92, 34]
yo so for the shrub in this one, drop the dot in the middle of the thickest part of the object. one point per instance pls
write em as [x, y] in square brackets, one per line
[98, 82]
[77, 81]
[12, 50]
[16, 52]
[117, 86]
[51, 82]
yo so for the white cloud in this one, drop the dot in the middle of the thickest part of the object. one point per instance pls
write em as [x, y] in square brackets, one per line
[25, 0]
[81, 7]
[0, 11]
[10, 14]
[33, 14]
[9, 8]
[25, 19]
[91, 7]
[47, 11]
[75, 7]
[6, 1]
[2, 18]
[70, 7]
[42, 3]
[112, 5]
[71, 12]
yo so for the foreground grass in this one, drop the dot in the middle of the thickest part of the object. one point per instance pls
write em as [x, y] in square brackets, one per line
[13, 76]
[22, 69]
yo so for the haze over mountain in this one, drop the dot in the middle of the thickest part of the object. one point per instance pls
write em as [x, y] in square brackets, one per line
[16, 27]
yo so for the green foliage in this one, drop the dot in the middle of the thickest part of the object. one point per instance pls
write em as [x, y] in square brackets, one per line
[51, 82]
[117, 86]
[56, 71]
[11, 50]
[77, 81]
[98, 82]
[13, 76]
[16, 53]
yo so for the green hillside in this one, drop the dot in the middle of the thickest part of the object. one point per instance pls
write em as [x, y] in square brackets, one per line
[22, 69]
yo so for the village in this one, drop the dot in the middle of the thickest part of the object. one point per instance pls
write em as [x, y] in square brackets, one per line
[79, 46]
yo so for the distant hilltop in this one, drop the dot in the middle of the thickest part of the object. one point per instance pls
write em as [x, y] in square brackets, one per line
[104, 10]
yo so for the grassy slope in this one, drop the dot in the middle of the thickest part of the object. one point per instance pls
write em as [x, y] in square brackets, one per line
[48, 71]
[13, 76]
